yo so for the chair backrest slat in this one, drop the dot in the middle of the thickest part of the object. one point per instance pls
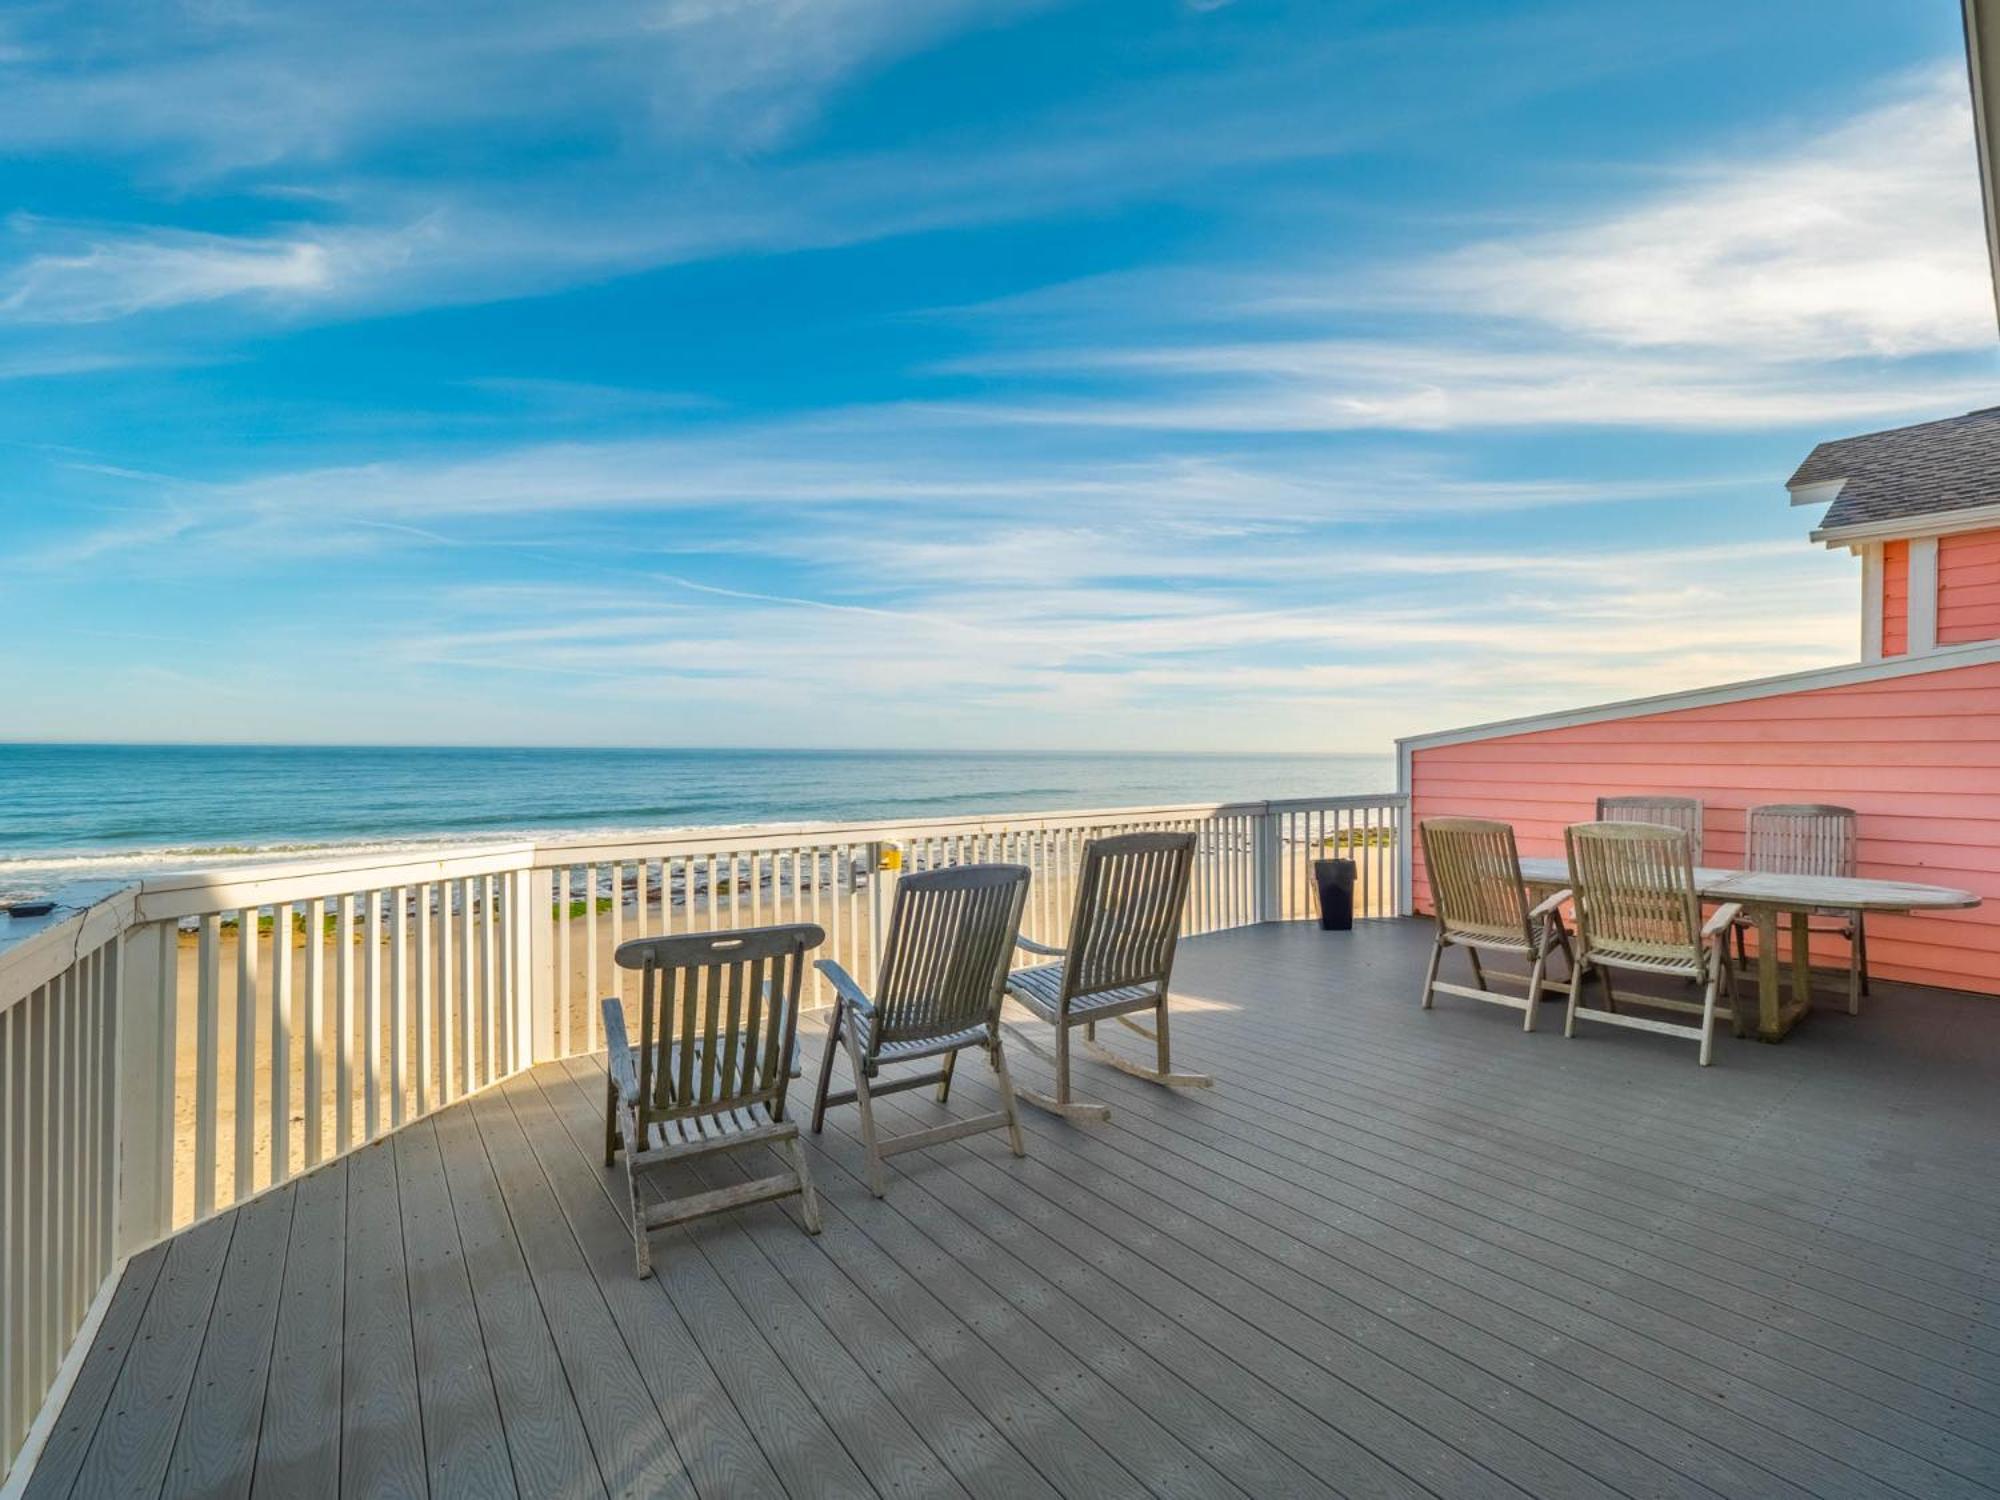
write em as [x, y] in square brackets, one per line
[951, 935]
[1800, 838]
[718, 1013]
[1474, 870]
[1130, 894]
[1635, 892]
[1683, 813]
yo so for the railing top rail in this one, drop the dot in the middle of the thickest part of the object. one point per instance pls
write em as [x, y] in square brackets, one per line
[39, 957]
[194, 893]
[587, 850]
[1315, 804]
[168, 897]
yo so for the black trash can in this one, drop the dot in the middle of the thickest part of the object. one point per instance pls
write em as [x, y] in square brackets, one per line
[1335, 879]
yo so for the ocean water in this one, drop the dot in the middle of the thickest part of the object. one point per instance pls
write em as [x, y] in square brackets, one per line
[71, 813]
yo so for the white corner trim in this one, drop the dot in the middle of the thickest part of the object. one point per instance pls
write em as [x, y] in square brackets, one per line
[1405, 851]
[1944, 659]
[1817, 493]
[1871, 601]
[1923, 595]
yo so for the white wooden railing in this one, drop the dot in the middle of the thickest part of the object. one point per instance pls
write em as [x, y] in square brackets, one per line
[195, 1039]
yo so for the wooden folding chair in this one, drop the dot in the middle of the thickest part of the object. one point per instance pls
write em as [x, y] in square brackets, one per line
[951, 934]
[1478, 898]
[1130, 894]
[1637, 910]
[1683, 813]
[1811, 838]
[718, 1020]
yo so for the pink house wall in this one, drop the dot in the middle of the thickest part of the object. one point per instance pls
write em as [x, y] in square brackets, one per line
[1968, 587]
[1917, 756]
[1895, 598]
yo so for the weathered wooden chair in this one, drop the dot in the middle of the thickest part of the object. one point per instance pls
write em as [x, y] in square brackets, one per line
[718, 1019]
[1810, 838]
[1636, 909]
[1130, 893]
[1479, 901]
[1683, 813]
[951, 934]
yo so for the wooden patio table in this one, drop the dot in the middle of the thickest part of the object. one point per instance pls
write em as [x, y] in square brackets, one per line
[1764, 897]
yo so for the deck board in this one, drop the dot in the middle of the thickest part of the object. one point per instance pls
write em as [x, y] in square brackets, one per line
[1390, 1252]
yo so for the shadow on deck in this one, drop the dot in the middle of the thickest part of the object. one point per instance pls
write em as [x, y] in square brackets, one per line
[1390, 1253]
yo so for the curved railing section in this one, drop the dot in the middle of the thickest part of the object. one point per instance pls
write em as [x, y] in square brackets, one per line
[195, 1039]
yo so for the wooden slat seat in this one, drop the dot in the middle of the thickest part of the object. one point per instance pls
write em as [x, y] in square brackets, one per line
[1040, 989]
[910, 1049]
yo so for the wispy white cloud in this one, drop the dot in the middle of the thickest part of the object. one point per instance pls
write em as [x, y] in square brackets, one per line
[1830, 279]
[93, 278]
[1862, 239]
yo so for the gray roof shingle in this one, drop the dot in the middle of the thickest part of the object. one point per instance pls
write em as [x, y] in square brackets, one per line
[1908, 472]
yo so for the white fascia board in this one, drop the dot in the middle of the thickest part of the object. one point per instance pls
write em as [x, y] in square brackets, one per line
[1938, 523]
[1945, 658]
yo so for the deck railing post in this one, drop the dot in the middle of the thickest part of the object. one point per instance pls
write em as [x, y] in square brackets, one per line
[537, 980]
[143, 1107]
[1267, 875]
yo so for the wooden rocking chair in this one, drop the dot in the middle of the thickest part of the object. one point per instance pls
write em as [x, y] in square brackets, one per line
[1479, 900]
[718, 1020]
[951, 933]
[1129, 897]
[1637, 909]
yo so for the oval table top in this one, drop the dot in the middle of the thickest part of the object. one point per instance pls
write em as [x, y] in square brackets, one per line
[1791, 892]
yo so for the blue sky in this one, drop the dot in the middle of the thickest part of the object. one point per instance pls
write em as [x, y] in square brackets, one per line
[1172, 373]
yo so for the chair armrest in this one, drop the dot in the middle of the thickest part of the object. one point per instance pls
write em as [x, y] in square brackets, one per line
[618, 1049]
[1720, 923]
[844, 984]
[1549, 903]
[1042, 948]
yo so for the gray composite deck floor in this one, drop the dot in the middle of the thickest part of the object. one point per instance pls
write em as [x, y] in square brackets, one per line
[1390, 1253]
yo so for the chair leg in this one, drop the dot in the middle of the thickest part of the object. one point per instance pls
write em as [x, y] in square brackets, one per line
[1161, 1050]
[1708, 1002]
[1610, 995]
[1576, 979]
[1004, 1082]
[870, 1147]
[944, 1077]
[1861, 940]
[610, 1119]
[808, 1198]
[1060, 1102]
[833, 1034]
[1431, 973]
[642, 1249]
[1534, 989]
[1478, 972]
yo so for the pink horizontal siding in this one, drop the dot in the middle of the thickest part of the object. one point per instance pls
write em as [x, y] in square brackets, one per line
[1968, 588]
[1895, 598]
[1917, 757]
